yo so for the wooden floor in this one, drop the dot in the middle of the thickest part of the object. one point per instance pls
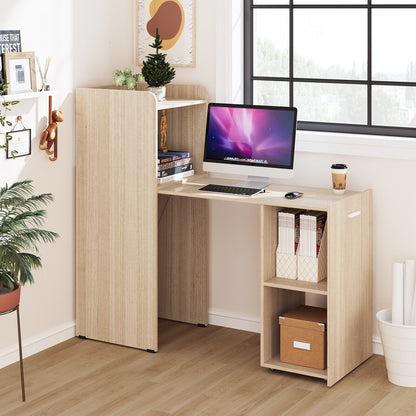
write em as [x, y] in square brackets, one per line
[197, 372]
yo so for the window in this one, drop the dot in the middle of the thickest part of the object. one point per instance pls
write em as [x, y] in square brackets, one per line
[348, 66]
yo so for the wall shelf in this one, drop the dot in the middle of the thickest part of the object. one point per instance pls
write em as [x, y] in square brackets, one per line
[26, 96]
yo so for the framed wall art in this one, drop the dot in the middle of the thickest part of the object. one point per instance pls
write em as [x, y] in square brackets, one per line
[19, 143]
[20, 72]
[10, 41]
[175, 20]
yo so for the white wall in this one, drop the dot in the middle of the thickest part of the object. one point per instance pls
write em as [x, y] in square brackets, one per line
[47, 305]
[87, 40]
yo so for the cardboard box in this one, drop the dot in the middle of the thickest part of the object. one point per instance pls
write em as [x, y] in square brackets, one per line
[303, 337]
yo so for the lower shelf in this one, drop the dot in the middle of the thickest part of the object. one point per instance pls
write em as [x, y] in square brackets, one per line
[275, 364]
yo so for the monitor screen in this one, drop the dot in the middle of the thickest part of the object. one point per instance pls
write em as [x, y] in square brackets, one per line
[250, 136]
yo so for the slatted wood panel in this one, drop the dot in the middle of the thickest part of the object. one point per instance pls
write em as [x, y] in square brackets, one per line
[116, 222]
[349, 285]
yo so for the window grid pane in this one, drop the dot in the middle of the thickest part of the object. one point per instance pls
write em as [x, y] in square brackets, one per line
[271, 93]
[271, 42]
[328, 43]
[331, 103]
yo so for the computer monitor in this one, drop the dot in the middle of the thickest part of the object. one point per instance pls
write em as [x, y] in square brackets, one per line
[250, 140]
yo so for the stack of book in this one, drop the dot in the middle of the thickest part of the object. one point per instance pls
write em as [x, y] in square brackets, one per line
[289, 230]
[312, 224]
[173, 166]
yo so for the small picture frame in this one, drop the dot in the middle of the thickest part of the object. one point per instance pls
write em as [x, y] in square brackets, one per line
[20, 72]
[19, 144]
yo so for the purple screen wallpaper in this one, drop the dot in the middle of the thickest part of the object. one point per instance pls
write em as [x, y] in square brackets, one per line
[255, 135]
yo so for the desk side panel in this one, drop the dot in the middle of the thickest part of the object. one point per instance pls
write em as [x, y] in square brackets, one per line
[116, 222]
[349, 284]
[183, 259]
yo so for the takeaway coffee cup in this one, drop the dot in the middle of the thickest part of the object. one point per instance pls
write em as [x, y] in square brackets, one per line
[339, 177]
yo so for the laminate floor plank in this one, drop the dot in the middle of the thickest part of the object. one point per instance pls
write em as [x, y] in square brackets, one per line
[209, 371]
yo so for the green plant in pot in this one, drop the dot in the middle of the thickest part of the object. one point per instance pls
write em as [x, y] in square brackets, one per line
[156, 71]
[21, 218]
[126, 78]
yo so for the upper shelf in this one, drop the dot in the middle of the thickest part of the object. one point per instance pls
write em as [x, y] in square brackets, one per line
[165, 105]
[181, 95]
[26, 96]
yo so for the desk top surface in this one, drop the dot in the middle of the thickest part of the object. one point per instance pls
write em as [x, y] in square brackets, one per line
[313, 198]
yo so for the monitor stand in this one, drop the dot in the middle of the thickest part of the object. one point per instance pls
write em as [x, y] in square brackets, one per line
[255, 182]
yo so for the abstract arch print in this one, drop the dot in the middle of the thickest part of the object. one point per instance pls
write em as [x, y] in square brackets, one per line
[169, 17]
[175, 20]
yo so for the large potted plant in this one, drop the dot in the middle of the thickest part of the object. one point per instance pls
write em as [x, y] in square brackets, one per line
[156, 71]
[21, 217]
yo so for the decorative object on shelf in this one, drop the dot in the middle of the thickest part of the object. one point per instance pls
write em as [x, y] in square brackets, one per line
[45, 86]
[156, 71]
[49, 136]
[4, 109]
[163, 131]
[19, 141]
[175, 20]
[20, 72]
[126, 78]
[20, 218]
[10, 41]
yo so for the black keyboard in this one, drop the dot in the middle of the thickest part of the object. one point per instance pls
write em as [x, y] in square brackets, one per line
[230, 189]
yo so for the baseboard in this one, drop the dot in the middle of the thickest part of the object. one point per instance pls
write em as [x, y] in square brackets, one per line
[377, 346]
[37, 343]
[230, 320]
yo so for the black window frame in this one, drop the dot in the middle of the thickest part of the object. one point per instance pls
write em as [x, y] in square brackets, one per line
[368, 128]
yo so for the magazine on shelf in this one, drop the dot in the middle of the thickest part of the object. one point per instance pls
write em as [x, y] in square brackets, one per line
[174, 163]
[170, 156]
[289, 230]
[312, 225]
[173, 171]
[175, 177]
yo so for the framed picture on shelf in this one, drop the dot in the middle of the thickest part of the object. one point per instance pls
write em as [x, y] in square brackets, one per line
[175, 20]
[19, 144]
[10, 41]
[20, 72]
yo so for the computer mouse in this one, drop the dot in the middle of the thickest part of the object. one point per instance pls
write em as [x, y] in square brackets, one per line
[293, 195]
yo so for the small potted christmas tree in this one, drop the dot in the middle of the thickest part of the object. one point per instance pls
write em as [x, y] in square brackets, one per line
[156, 71]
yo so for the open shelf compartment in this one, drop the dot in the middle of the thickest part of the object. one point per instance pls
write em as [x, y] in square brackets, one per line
[277, 301]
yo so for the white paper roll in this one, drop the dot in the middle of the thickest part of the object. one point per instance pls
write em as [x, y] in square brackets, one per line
[397, 299]
[409, 289]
